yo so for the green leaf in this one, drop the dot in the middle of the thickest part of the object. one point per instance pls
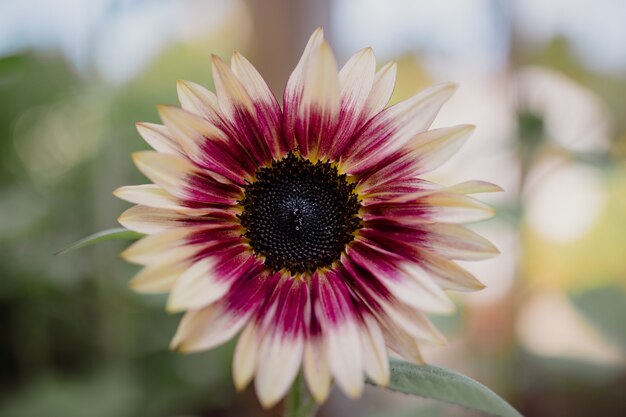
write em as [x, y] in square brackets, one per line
[446, 385]
[605, 308]
[118, 233]
[299, 402]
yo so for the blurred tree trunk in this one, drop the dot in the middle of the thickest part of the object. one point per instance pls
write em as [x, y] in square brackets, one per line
[280, 31]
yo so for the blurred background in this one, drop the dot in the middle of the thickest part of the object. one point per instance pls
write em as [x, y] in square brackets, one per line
[544, 81]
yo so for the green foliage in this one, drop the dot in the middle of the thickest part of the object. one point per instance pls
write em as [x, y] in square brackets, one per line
[446, 385]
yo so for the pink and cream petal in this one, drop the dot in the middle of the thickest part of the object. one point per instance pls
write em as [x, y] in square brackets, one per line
[355, 83]
[150, 195]
[268, 112]
[292, 96]
[318, 109]
[394, 127]
[341, 334]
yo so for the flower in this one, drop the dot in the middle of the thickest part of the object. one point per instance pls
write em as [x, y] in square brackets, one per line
[308, 228]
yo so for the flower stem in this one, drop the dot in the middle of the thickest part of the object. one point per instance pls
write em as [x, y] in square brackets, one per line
[299, 402]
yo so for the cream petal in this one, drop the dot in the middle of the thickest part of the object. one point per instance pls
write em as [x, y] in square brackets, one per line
[207, 328]
[448, 274]
[375, 361]
[435, 147]
[316, 370]
[382, 89]
[196, 99]
[160, 277]
[158, 137]
[149, 220]
[197, 287]
[454, 241]
[151, 248]
[345, 356]
[245, 356]
[279, 360]
[150, 195]
[456, 208]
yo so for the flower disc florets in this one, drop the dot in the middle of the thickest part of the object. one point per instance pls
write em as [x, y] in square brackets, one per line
[299, 215]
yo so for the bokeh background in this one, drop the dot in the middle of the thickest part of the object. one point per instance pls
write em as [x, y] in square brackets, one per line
[545, 81]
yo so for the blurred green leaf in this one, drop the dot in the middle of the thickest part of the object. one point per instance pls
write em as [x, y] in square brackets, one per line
[446, 385]
[118, 233]
[605, 308]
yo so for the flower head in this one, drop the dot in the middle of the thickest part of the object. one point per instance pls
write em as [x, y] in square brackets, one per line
[307, 228]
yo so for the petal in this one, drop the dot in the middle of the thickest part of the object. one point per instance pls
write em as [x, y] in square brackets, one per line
[184, 180]
[159, 138]
[448, 274]
[267, 109]
[282, 346]
[196, 288]
[196, 99]
[245, 357]
[318, 109]
[338, 322]
[149, 220]
[424, 152]
[355, 80]
[295, 85]
[150, 195]
[316, 370]
[160, 277]
[382, 89]
[151, 248]
[375, 360]
[206, 144]
[454, 241]
[392, 128]
[207, 328]
[238, 107]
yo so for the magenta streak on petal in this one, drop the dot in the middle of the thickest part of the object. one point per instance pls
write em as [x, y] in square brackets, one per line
[251, 290]
[368, 287]
[401, 212]
[269, 119]
[248, 132]
[394, 238]
[291, 104]
[292, 304]
[350, 122]
[310, 129]
[398, 164]
[333, 296]
[391, 190]
[226, 158]
[204, 191]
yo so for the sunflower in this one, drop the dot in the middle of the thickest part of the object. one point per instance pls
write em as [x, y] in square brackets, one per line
[308, 228]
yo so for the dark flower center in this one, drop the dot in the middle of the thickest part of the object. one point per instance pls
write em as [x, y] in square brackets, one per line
[299, 215]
